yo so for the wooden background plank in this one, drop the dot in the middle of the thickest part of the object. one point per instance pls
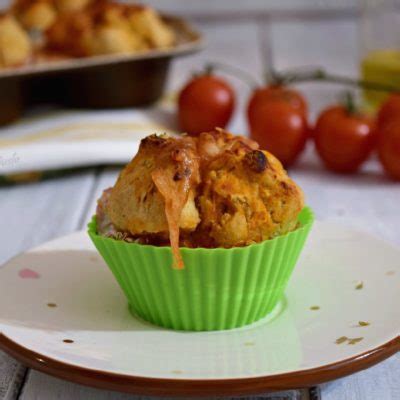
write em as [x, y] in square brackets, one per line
[12, 375]
[45, 210]
[381, 382]
[39, 387]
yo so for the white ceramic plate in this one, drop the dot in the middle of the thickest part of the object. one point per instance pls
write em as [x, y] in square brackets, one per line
[62, 312]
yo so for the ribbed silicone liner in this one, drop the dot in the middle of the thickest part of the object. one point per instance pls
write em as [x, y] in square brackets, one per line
[218, 288]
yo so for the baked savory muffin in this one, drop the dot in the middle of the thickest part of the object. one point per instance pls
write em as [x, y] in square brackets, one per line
[70, 34]
[217, 190]
[15, 45]
[51, 30]
[223, 212]
[108, 27]
[35, 14]
[41, 14]
[146, 22]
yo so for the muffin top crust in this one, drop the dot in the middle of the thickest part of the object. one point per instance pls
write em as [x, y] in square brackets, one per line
[214, 190]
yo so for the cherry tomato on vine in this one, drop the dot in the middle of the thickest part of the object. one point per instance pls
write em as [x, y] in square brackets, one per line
[389, 147]
[343, 139]
[205, 102]
[279, 128]
[390, 109]
[277, 92]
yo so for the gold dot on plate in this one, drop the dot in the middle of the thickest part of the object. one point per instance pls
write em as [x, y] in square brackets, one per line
[341, 340]
[68, 341]
[51, 305]
[355, 340]
[390, 273]
[249, 344]
[363, 323]
[314, 308]
[359, 286]
[177, 371]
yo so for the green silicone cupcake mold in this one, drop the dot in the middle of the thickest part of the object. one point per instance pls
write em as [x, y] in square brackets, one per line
[218, 288]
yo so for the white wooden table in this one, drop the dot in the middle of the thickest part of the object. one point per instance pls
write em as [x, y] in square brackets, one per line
[34, 213]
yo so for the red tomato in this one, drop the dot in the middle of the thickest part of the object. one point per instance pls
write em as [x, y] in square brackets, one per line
[277, 92]
[279, 128]
[389, 147]
[343, 140]
[205, 103]
[390, 109]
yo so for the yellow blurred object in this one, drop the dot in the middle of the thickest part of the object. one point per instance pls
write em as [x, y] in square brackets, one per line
[15, 45]
[381, 66]
[379, 48]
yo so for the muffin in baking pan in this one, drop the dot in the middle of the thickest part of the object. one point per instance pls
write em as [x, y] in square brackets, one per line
[49, 30]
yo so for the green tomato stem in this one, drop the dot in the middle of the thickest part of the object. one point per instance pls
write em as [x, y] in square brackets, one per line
[349, 103]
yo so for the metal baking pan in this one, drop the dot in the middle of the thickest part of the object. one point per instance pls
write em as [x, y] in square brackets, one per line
[111, 81]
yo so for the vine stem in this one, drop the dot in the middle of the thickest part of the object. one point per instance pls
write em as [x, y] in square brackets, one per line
[297, 76]
[235, 71]
[320, 75]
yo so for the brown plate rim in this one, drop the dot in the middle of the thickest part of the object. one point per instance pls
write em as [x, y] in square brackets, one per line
[195, 43]
[198, 387]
